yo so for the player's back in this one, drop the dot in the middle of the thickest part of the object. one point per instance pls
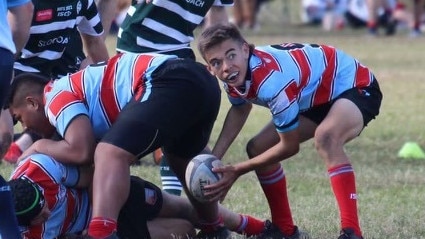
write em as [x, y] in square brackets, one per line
[163, 25]
[321, 72]
[101, 91]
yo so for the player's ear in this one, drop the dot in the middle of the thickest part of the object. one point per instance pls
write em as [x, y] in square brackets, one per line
[209, 68]
[245, 50]
[32, 102]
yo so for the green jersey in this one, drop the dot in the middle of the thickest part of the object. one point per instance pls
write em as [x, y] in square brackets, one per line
[163, 25]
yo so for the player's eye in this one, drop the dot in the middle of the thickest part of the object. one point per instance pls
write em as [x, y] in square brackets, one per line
[215, 64]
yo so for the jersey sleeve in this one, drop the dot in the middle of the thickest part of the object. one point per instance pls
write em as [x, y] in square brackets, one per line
[16, 3]
[62, 106]
[281, 98]
[89, 20]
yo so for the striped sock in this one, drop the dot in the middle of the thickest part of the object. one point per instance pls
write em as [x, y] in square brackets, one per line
[343, 184]
[274, 187]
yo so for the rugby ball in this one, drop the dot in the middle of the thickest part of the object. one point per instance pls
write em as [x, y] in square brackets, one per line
[199, 174]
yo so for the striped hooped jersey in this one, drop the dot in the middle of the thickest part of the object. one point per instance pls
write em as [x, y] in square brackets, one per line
[101, 91]
[53, 30]
[291, 78]
[70, 208]
[163, 25]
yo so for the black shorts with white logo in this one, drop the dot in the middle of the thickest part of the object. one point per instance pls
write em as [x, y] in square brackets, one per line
[143, 204]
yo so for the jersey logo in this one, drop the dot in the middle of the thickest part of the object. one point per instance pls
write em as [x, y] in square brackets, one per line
[44, 15]
[197, 3]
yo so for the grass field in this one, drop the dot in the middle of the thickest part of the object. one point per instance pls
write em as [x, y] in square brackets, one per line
[391, 190]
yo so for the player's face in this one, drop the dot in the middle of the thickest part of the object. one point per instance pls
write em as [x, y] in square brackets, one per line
[30, 113]
[42, 216]
[228, 61]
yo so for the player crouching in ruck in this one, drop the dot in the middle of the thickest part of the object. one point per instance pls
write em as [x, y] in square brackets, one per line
[313, 91]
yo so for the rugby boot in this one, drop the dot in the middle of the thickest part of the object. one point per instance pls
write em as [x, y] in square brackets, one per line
[220, 233]
[348, 233]
[271, 231]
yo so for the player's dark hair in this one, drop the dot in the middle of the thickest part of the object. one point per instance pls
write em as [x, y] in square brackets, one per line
[28, 200]
[25, 84]
[218, 33]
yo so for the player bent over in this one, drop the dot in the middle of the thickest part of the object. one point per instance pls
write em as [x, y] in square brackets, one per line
[312, 91]
[120, 111]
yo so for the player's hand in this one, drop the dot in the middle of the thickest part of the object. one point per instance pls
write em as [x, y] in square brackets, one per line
[219, 190]
[28, 152]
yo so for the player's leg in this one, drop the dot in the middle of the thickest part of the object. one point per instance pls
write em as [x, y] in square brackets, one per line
[6, 132]
[345, 120]
[6, 71]
[272, 180]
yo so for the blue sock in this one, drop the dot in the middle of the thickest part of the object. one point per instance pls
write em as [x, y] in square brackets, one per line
[8, 223]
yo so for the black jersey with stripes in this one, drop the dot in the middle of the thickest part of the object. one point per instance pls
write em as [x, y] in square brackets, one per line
[163, 25]
[54, 47]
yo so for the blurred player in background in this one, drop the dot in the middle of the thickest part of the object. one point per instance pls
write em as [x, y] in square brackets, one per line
[312, 91]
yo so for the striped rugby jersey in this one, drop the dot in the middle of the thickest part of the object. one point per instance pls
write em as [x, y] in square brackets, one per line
[70, 208]
[100, 91]
[163, 25]
[291, 78]
[53, 30]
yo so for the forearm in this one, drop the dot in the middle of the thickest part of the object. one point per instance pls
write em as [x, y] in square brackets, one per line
[215, 15]
[64, 152]
[284, 149]
[95, 47]
[235, 119]
[107, 11]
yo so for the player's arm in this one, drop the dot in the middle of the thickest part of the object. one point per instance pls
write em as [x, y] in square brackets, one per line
[20, 18]
[107, 11]
[6, 131]
[233, 123]
[287, 146]
[216, 14]
[95, 47]
[76, 147]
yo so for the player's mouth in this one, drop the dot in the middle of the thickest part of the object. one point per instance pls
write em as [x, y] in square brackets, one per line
[232, 78]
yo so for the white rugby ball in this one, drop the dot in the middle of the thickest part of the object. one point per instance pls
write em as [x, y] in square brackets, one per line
[199, 173]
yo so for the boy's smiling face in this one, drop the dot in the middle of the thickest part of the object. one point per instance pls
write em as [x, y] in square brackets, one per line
[228, 61]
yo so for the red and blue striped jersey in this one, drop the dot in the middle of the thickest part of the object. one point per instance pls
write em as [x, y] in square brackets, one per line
[101, 91]
[291, 78]
[70, 208]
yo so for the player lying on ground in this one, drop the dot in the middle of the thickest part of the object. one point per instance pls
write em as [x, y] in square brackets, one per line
[52, 200]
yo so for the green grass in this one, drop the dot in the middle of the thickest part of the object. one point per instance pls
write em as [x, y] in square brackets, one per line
[391, 190]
